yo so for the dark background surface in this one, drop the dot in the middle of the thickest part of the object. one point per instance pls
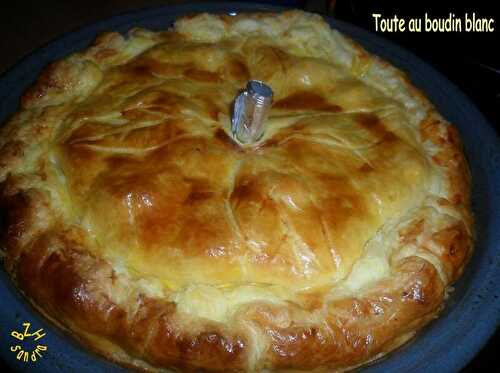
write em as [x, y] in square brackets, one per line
[470, 60]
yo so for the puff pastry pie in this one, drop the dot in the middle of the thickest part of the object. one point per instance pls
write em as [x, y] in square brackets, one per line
[136, 223]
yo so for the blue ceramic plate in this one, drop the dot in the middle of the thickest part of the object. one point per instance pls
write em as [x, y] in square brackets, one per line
[471, 315]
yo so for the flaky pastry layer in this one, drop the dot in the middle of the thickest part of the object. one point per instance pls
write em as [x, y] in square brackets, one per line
[139, 225]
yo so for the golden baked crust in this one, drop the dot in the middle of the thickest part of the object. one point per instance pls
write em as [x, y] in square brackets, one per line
[136, 223]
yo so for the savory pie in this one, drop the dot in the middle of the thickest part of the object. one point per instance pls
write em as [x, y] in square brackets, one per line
[135, 222]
